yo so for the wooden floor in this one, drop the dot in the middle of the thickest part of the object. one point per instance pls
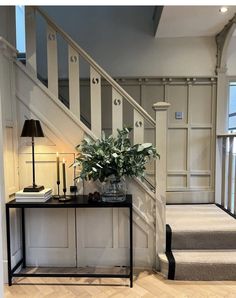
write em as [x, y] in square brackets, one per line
[146, 284]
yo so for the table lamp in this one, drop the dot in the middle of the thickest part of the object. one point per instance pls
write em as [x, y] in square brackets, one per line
[32, 128]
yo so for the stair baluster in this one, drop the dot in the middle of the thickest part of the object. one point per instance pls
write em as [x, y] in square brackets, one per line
[138, 128]
[74, 81]
[30, 31]
[228, 171]
[117, 111]
[96, 104]
[52, 60]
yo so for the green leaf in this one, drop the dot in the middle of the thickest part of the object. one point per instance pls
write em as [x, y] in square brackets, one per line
[113, 156]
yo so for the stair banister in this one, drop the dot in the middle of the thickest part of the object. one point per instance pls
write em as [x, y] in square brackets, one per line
[96, 67]
[226, 171]
[160, 109]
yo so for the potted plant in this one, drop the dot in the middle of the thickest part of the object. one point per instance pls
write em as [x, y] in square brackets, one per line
[111, 159]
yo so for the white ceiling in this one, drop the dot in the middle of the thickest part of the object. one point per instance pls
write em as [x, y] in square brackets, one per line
[186, 21]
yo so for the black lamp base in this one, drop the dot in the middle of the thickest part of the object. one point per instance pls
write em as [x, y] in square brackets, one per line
[31, 188]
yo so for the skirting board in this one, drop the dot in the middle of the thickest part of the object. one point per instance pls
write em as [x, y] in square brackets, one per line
[192, 197]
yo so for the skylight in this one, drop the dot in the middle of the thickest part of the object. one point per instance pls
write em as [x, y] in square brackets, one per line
[20, 28]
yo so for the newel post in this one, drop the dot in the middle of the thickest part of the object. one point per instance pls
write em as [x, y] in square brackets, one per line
[161, 173]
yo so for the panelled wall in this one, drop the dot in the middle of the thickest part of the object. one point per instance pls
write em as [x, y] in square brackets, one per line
[191, 129]
[9, 143]
[191, 139]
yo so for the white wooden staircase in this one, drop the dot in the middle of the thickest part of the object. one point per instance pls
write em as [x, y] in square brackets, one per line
[65, 122]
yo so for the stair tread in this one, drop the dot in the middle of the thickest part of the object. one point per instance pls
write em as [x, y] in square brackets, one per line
[203, 256]
[199, 219]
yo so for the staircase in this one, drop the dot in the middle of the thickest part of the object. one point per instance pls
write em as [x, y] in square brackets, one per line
[201, 243]
[41, 99]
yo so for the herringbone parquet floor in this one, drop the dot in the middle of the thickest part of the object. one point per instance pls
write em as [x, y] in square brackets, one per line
[146, 284]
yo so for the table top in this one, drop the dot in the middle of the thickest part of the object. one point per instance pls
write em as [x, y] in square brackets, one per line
[79, 201]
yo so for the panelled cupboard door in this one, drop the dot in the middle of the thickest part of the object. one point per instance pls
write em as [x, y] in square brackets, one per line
[50, 237]
[103, 238]
[97, 238]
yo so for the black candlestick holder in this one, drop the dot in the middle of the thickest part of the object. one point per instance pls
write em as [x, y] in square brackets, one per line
[58, 191]
[64, 197]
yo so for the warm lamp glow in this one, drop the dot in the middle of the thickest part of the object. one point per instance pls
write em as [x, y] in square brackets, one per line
[223, 9]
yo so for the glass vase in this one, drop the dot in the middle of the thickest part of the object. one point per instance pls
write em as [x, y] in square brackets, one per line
[114, 189]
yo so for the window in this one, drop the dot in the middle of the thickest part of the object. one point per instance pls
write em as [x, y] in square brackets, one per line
[232, 106]
[20, 28]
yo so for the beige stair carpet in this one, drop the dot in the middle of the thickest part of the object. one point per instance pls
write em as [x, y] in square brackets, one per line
[201, 227]
[203, 243]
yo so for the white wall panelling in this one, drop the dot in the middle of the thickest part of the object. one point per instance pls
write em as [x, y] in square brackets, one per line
[191, 139]
[45, 166]
[9, 148]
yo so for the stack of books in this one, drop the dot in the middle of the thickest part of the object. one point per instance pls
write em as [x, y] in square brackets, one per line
[34, 197]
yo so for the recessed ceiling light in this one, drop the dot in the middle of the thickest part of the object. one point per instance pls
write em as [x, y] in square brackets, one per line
[223, 9]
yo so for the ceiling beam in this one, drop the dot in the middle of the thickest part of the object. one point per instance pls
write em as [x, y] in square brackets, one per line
[156, 18]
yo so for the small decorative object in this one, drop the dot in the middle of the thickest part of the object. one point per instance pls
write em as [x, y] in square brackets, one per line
[64, 197]
[33, 197]
[94, 197]
[58, 176]
[32, 128]
[111, 159]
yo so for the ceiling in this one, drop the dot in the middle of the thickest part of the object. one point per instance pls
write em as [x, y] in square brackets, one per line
[186, 21]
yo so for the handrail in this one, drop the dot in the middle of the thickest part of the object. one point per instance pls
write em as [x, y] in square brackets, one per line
[150, 185]
[226, 135]
[10, 46]
[98, 68]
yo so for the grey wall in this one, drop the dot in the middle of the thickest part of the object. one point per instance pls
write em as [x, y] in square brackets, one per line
[121, 40]
[7, 23]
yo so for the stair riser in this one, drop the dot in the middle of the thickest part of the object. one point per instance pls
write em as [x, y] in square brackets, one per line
[184, 241]
[205, 272]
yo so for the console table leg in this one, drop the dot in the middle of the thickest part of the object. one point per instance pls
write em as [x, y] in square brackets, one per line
[131, 245]
[23, 235]
[8, 246]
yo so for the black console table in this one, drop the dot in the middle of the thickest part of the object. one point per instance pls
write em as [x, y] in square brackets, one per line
[76, 202]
